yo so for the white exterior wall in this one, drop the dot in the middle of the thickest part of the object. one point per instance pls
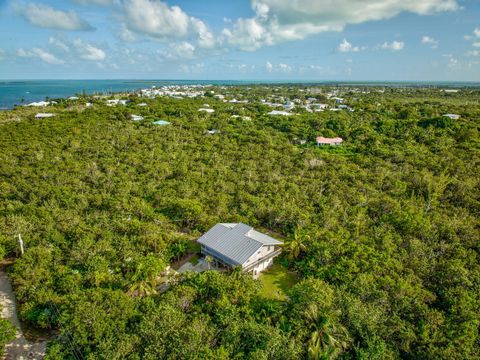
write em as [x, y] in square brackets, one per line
[263, 251]
[261, 267]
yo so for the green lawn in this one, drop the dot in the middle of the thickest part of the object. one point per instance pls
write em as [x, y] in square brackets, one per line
[194, 259]
[276, 281]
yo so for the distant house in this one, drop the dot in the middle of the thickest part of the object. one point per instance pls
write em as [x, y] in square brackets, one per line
[319, 106]
[142, 104]
[279, 112]
[39, 104]
[452, 116]
[73, 98]
[43, 115]
[136, 117]
[238, 244]
[207, 110]
[112, 102]
[161, 122]
[329, 141]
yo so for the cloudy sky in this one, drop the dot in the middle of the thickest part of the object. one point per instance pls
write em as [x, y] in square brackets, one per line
[241, 39]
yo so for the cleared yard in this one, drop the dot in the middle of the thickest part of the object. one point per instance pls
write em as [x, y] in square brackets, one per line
[276, 281]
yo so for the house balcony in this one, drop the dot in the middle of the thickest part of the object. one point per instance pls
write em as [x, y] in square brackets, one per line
[268, 256]
[223, 261]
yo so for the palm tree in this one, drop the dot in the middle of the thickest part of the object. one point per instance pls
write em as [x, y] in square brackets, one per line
[208, 260]
[143, 287]
[237, 272]
[328, 339]
[144, 279]
[296, 245]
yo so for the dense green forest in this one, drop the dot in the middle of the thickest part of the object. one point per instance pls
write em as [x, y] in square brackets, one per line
[382, 231]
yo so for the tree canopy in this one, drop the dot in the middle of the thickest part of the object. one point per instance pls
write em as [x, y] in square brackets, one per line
[383, 230]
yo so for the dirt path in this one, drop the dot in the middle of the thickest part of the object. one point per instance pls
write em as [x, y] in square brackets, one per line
[20, 348]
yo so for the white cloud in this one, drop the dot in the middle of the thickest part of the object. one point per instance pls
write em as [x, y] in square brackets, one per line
[192, 69]
[279, 68]
[475, 43]
[155, 18]
[205, 37]
[393, 46]
[2, 54]
[244, 68]
[127, 35]
[269, 66]
[178, 51]
[134, 56]
[345, 46]
[248, 35]
[87, 51]
[453, 64]
[47, 17]
[58, 43]
[158, 20]
[41, 54]
[282, 20]
[284, 67]
[430, 41]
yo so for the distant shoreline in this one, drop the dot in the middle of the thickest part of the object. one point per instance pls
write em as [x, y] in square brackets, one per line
[12, 92]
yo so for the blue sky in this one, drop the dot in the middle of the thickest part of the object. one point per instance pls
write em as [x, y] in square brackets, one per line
[423, 40]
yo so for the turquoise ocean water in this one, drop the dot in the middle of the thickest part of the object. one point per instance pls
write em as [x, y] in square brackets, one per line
[22, 92]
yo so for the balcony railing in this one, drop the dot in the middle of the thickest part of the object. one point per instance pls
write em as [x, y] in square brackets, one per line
[221, 259]
[262, 259]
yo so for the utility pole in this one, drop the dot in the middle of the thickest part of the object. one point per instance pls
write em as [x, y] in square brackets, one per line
[20, 242]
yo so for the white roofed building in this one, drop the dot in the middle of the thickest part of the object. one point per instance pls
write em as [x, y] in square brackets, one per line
[136, 117]
[280, 112]
[452, 116]
[207, 110]
[43, 115]
[329, 141]
[238, 244]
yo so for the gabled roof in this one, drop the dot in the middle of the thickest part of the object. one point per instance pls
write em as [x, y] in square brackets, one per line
[235, 243]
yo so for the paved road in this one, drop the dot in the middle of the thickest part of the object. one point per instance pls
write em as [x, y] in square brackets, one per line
[20, 348]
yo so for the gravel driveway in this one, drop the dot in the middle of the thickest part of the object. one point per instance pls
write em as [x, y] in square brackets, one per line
[20, 348]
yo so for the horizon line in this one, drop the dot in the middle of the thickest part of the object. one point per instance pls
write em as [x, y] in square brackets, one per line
[280, 81]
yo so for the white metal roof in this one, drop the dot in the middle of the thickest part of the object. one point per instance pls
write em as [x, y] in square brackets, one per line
[235, 242]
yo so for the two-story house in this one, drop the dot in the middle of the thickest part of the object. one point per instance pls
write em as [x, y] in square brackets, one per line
[237, 244]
